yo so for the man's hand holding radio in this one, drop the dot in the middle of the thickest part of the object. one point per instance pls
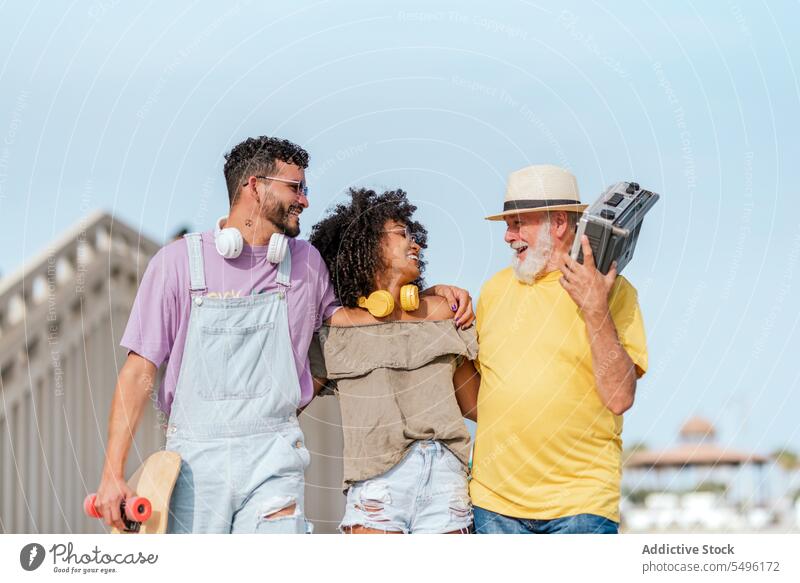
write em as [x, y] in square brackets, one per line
[614, 370]
[587, 287]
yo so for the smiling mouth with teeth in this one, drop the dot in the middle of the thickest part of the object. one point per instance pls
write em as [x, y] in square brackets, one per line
[295, 211]
[521, 249]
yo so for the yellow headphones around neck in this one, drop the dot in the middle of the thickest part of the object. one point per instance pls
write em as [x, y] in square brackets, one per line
[381, 303]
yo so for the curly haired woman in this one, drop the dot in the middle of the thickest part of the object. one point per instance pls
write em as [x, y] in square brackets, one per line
[395, 365]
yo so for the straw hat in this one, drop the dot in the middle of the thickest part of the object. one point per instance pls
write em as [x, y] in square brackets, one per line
[540, 188]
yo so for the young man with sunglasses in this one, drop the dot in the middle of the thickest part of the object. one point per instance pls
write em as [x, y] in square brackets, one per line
[231, 311]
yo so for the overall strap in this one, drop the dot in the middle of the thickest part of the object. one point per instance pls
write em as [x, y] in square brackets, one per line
[285, 268]
[197, 275]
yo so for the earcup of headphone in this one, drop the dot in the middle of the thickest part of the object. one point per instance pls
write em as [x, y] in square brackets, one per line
[229, 242]
[278, 243]
[379, 303]
[409, 298]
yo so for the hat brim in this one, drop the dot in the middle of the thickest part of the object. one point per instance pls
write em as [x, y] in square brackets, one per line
[578, 208]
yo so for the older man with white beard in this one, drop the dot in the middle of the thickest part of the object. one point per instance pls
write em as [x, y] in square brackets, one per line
[561, 348]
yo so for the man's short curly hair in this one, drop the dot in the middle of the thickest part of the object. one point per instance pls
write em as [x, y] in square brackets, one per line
[349, 240]
[259, 156]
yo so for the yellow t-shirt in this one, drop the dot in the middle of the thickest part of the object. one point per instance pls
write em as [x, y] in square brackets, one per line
[546, 447]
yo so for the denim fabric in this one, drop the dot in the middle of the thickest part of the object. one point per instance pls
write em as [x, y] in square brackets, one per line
[233, 420]
[488, 522]
[426, 492]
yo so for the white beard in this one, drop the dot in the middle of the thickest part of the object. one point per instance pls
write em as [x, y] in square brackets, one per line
[536, 257]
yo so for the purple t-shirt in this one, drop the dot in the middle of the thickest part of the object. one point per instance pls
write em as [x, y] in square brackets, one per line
[159, 321]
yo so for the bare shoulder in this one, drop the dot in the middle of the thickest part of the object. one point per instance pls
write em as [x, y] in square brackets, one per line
[434, 308]
[346, 317]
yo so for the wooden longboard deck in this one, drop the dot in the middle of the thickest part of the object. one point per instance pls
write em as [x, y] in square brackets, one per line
[155, 479]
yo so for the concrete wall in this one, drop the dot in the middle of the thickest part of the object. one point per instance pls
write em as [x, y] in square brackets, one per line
[61, 319]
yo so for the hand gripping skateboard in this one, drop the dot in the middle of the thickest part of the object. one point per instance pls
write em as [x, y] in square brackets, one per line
[148, 511]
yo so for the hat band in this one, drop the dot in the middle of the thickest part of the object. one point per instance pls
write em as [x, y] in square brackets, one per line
[513, 205]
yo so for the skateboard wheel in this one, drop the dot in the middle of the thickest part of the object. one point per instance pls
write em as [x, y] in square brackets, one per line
[138, 508]
[88, 506]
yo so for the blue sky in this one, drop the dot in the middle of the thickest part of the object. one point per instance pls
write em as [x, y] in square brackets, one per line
[129, 107]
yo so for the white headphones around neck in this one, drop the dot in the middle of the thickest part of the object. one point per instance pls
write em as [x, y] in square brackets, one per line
[229, 243]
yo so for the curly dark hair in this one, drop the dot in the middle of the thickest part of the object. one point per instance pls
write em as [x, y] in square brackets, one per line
[349, 240]
[259, 156]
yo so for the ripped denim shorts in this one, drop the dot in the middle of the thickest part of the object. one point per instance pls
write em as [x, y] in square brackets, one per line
[426, 492]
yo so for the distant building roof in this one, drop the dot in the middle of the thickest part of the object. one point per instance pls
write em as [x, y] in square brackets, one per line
[692, 455]
[697, 427]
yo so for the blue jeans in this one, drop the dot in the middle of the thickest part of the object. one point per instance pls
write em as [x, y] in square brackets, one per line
[426, 492]
[488, 522]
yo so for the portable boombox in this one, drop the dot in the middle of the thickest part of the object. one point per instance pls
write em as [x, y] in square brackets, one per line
[612, 224]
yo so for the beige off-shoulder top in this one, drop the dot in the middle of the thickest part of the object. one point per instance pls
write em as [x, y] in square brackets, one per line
[394, 381]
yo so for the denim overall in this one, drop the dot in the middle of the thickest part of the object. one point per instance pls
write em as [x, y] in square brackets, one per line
[233, 418]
